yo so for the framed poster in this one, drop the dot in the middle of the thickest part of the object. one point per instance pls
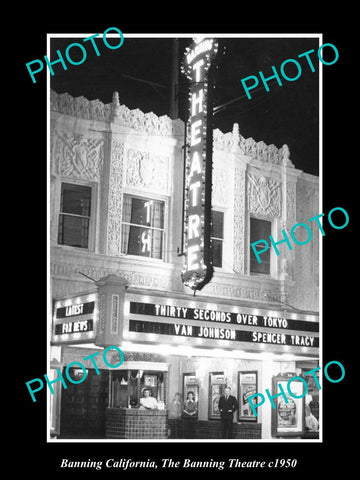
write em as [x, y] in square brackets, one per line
[288, 418]
[150, 381]
[247, 385]
[217, 384]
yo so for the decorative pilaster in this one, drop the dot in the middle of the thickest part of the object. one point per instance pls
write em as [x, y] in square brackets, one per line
[288, 216]
[111, 290]
[239, 217]
[113, 246]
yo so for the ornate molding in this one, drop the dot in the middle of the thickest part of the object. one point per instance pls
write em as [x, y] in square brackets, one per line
[115, 199]
[81, 107]
[115, 305]
[264, 196]
[290, 204]
[220, 192]
[53, 216]
[239, 220]
[102, 313]
[144, 357]
[244, 293]
[223, 141]
[248, 146]
[78, 156]
[148, 171]
[69, 271]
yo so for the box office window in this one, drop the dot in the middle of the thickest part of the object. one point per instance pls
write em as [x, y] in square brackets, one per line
[128, 386]
[217, 237]
[74, 217]
[259, 229]
[143, 227]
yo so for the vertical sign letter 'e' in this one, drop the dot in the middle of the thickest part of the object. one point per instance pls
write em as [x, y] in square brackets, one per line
[198, 269]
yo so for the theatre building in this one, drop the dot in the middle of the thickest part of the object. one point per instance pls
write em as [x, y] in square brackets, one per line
[116, 243]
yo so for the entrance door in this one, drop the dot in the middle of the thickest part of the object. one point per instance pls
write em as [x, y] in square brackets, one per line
[83, 405]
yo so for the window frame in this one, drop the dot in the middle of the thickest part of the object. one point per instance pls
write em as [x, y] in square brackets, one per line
[92, 218]
[272, 227]
[220, 210]
[147, 197]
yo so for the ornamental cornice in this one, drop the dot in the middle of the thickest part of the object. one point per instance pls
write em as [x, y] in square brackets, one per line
[96, 110]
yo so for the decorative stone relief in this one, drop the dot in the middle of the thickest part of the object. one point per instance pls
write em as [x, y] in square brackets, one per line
[284, 266]
[264, 196]
[69, 272]
[290, 204]
[239, 220]
[141, 279]
[144, 357]
[53, 216]
[221, 140]
[114, 112]
[115, 313]
[115, 199]
[245, 293]
[78, 156]
[285, 155]
[256, 150]
[148, 171]
[102, 313]
[220, 185]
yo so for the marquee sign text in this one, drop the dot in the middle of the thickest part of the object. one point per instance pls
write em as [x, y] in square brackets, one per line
[219, 316]
[223, 334]
[74, 321]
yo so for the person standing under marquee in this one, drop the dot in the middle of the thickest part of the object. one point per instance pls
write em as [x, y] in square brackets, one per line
[190, 411]
[227, 406]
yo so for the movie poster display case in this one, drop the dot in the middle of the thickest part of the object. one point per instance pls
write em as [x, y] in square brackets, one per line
[288, 417]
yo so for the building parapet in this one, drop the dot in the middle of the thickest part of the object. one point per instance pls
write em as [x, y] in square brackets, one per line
[96, 110]
[152, 124]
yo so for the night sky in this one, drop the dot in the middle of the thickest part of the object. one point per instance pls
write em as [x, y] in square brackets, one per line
[285, 115]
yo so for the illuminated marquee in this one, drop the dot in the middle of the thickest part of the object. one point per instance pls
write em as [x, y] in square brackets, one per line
[215, 333]
[198, 269]
[74, 319]
[219, 316]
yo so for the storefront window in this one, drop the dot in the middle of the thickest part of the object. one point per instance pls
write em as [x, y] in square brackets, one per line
[259, 229]
[217, 237]
[74, 218]
[142, 227]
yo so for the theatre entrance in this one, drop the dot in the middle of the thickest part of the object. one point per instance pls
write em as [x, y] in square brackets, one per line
[83, 405]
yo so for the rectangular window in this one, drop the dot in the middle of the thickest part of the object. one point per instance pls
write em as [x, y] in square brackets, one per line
[259, 229]
[74, 218]
[217, 237]
[143, 227]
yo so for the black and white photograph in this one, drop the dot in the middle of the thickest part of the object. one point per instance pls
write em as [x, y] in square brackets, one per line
[188, 232]
[193, 257]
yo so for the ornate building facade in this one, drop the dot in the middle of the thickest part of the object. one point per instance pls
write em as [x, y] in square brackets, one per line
[110, 166]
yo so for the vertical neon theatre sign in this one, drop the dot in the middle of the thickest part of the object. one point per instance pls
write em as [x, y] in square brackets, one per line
[198, 269]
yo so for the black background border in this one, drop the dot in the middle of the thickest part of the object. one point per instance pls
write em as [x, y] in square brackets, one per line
[27, 435]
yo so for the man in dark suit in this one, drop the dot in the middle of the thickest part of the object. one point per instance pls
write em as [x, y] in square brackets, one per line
[227, 406]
